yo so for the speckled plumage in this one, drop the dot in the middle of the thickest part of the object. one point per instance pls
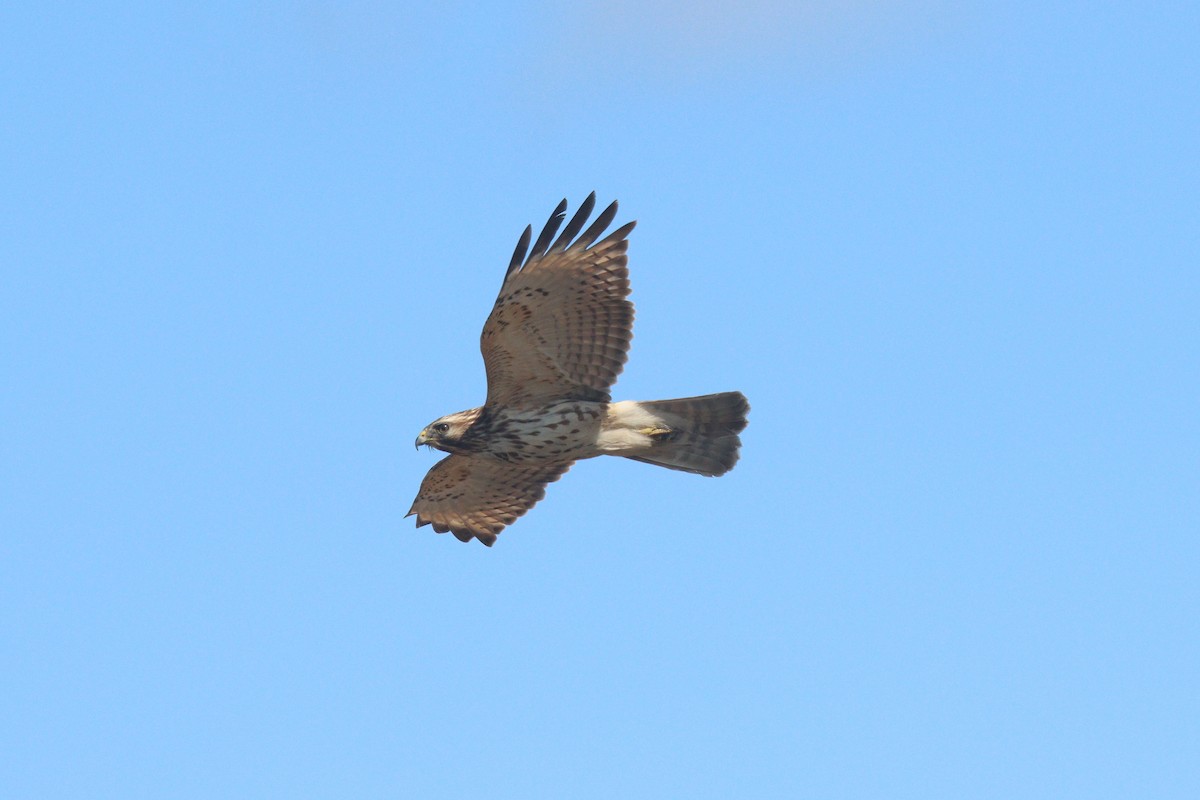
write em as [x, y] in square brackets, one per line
[553, 345]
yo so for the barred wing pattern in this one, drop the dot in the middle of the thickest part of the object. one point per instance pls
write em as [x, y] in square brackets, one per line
[561, 325]
[473, 496]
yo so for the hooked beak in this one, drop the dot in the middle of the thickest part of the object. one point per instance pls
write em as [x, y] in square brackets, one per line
[422, 438]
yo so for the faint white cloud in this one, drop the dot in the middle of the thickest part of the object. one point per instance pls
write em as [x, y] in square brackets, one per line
[673, 40]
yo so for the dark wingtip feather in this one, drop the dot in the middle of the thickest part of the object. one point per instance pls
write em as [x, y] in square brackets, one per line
[596, 228]
[575, 225]
[543, 240]
[519, 253]
[620, 233]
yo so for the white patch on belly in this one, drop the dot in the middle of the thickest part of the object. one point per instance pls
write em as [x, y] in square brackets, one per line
[623, 428]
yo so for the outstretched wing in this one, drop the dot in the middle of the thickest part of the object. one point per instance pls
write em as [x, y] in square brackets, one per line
[472, 496]
[561, 326]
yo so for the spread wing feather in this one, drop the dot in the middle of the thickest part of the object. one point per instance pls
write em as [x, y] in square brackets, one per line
[562, 323]
[474, 496]
[519, 253]
[575, 225]
[551, 227]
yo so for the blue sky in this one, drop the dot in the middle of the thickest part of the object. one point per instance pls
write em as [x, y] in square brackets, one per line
[949, 252]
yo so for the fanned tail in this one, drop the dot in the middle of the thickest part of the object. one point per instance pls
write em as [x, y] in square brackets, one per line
[695, 434]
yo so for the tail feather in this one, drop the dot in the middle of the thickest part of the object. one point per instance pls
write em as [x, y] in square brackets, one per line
[700, 433]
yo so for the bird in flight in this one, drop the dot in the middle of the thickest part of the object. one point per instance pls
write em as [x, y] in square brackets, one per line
[552, 347]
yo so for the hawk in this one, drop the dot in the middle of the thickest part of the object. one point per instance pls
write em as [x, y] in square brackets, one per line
[552, 347]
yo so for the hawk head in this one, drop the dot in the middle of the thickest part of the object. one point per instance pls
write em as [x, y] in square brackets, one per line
[446, 433]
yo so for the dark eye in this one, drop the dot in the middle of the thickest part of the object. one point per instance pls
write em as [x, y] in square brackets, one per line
[441, 427]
